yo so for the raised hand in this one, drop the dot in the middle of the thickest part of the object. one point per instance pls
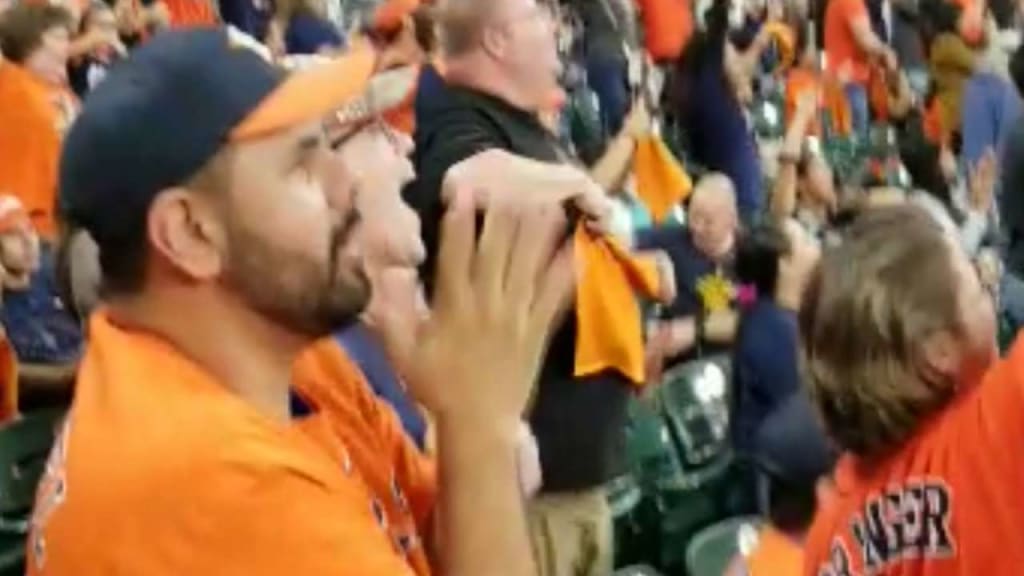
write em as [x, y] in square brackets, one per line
[496, 302]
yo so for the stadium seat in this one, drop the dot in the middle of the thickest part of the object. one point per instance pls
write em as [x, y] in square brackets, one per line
[710, 552]
[642, 570]
[24, 447]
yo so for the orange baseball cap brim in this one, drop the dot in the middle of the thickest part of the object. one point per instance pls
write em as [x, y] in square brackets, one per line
[310, 94]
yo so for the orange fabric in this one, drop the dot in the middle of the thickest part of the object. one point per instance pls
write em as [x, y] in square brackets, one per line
[609, 326]
[390, 14]
[29, 145]
[667, 25]
[661, 183]
[310, 94]
[833, 100]
[776, 555]
[8, 381]
[947, 502]
[878, 92]
[841, 47]
[161, 470]
[191, 13]
[934, 129]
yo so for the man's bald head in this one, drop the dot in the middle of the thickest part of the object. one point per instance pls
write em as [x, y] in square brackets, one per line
[463, 21]
[713, 215]
[506, 48]
[715, 190]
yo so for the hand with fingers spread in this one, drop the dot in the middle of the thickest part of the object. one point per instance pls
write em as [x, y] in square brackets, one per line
[474, 365]
[495, 305]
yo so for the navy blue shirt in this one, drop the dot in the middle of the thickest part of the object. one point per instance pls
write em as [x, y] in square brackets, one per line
[692, 271]
[249, 16]
[765, 368]
[364, 349]
[308, 34]
[41, 330]
[721, 139]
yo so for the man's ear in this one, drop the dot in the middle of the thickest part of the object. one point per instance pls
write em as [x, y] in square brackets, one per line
[185, 230]
[493, 41]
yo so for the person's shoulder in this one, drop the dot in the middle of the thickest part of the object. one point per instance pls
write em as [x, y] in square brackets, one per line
[662, 238]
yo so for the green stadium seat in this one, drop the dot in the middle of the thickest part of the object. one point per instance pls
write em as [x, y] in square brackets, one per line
[24, 447]
[710, 552]
[641, 570]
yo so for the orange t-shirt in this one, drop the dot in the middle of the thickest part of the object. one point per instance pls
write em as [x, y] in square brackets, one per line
[191, 13]
[776, 555]
[841, 48]
[30, 143]
[947, 503]
[161, 470]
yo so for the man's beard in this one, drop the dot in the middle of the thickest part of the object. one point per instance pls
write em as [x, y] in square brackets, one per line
[302, 295]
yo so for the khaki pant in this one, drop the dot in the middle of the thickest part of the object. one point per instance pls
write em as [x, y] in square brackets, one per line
[572, 534]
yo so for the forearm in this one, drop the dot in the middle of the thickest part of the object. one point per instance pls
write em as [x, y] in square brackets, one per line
[783, 200]
[482, 518]
[610, 169]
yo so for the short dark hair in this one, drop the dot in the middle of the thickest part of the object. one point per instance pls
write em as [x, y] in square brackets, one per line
[757, 257]
[791, 506]
[23, 26]
[123, 256]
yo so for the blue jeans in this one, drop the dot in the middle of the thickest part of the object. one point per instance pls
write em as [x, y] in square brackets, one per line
[857, 96]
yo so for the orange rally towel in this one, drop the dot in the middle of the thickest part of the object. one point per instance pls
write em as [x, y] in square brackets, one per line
[29, 145]
[609, 326]
[661, 183]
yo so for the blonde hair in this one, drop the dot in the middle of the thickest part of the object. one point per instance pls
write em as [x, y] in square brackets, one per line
[867, 311]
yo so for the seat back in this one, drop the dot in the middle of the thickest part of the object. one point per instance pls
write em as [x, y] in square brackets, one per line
[696, 398]
[710, 551]
[24, 446]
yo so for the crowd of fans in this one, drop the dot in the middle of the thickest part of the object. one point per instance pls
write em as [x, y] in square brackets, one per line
[369, 288]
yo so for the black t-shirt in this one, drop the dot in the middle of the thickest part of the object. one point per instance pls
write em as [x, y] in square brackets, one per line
[579, 422]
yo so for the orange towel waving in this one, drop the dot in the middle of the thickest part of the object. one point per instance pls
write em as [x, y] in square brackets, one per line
[609, 326]
[661, 183]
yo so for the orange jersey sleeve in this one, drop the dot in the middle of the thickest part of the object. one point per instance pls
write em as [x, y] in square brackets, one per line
[946, 503]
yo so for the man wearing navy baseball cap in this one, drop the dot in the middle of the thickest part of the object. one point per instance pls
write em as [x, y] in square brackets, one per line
[229, 241]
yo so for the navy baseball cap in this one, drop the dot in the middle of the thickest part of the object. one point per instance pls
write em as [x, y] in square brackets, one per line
[163, 113]
[791, 444]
